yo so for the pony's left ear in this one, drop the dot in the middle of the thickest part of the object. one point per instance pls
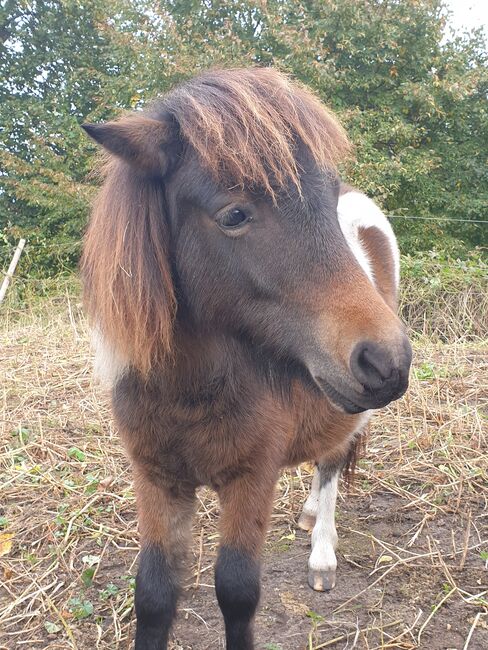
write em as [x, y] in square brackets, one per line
[145, 143]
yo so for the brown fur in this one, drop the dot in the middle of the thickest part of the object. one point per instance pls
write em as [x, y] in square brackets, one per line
[378, 250]
[345, 189]
[356, 452]
[138, 140]
[246, 376]
[353, 307]
[244, 125]
[237, 447]
[128, 287]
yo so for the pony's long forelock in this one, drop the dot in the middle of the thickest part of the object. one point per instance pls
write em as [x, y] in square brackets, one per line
[245, 125]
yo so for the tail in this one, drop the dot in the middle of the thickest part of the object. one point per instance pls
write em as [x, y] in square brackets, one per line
[356, 451]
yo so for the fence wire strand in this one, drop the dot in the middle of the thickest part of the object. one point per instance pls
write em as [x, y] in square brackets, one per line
[408, 216]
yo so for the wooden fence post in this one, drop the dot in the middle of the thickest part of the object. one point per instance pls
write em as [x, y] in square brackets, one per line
[11, 269]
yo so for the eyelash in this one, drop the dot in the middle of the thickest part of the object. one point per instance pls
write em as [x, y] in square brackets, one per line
[225, 221]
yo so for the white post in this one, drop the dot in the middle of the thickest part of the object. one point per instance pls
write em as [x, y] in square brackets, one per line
[11, 269]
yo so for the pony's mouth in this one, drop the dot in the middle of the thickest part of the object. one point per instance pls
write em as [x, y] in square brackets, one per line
[340, 400]
[359, 403]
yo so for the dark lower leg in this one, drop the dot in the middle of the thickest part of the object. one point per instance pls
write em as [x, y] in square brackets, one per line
[155, 599]
[246, 506]
[164, 523]
[237, 587]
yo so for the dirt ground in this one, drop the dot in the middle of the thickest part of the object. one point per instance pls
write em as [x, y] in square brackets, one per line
[413, 530]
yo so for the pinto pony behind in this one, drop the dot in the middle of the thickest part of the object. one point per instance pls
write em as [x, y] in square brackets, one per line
[243, 303]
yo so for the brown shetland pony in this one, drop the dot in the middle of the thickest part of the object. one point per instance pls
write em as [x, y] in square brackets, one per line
[243, 303]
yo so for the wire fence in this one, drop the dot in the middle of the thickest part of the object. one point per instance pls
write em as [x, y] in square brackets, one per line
[74, 247]
[408, 216]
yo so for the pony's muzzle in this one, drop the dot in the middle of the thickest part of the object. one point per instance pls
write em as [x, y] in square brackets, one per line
[374, 374]
[381, 371]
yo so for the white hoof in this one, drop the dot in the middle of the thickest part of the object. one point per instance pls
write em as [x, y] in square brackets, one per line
[322, 564]
[322, 580]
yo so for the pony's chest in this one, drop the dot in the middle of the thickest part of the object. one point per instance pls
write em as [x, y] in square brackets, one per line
[200, 434]
[320, 430]
[203, 433]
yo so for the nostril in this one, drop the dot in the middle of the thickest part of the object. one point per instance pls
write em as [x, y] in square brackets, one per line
[371, 365]
[375, 364]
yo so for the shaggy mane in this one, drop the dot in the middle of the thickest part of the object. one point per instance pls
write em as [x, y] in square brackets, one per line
[245, 125]
[128, 289]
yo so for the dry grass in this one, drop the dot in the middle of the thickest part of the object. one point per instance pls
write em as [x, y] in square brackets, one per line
[445, 299]
[413, 530]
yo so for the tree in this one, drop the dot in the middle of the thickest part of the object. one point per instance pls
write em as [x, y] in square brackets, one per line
[415, 105]
[55, 63]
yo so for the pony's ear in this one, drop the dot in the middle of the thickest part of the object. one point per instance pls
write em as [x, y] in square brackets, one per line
[143, 142]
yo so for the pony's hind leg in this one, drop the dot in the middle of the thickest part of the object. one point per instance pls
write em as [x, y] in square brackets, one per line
[164, 523]
[309, 512]
[322, 563]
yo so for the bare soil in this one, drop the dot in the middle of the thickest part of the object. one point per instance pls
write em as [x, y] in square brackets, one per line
[293, 616]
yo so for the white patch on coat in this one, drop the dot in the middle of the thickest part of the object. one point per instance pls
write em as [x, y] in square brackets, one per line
[108, 364]
[311, 505]
[355, 210]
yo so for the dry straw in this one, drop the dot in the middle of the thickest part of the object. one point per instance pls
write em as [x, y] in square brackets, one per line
[413, 529]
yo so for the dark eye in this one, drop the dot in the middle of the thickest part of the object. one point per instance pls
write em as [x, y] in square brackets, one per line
[232, 219]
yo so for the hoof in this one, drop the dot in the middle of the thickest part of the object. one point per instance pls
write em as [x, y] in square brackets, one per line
[322, 580]
[306, 522]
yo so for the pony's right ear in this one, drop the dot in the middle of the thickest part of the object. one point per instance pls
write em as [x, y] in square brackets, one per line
[145, 143]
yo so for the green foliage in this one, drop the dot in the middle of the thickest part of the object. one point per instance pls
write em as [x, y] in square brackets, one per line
[438, 269]
[52, 628]
[316, 618]
[87, 576]
[444, 296]
[80, 608]
[424, 371]
[77, 454]
[414, 103]
[109, 591]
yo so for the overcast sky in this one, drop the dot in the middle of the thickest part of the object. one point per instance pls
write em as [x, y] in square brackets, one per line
[468, 14]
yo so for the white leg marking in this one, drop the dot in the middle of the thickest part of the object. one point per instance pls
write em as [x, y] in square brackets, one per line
[310, 508]
[322, 562]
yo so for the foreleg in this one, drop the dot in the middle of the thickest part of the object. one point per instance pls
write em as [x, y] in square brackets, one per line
[311, 505]
[246, 506]
[164, 523]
